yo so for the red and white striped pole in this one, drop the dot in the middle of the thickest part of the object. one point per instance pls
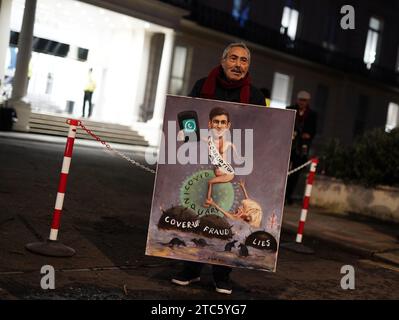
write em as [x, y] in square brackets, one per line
[52, 247]
[306, 199]
[66, 163]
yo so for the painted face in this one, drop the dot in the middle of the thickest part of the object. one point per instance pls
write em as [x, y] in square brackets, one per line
[241, 212]
[219, 124]
[236, 64]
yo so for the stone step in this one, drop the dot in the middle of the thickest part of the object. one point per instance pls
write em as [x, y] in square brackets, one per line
[97, 130]
[39, 117]
[87, 137]
[113, 133]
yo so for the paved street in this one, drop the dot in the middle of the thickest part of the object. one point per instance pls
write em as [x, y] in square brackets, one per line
[105, 220]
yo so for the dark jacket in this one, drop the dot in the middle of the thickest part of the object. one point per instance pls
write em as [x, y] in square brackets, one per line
[232, 95]
[305, 125]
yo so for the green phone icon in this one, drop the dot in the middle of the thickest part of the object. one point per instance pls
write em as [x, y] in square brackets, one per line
[188, 122]
[189, 125]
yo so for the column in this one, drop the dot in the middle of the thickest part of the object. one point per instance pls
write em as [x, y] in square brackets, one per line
[141, 87]
[162, 89]
[21, 73]
[5, 16]
[163, 79]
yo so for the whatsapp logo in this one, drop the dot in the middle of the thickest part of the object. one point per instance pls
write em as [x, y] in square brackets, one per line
[189, 125]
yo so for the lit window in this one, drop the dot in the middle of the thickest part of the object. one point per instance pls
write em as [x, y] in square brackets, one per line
[178, 71]
[289, 22]
[370, 51]
[392, 117]
[281, 91]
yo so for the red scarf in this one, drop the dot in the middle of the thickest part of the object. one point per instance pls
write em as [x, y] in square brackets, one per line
[209, 87]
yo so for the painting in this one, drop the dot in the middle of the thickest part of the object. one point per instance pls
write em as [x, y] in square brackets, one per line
[220, 183]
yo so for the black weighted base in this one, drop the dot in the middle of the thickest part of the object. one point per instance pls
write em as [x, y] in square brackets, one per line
[297, 247]
[50, 248]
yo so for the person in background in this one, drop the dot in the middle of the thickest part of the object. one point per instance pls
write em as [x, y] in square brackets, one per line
[304, 132]
[88, 93]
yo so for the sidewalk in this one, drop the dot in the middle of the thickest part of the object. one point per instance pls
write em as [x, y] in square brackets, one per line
[368, 238]
[365, 237]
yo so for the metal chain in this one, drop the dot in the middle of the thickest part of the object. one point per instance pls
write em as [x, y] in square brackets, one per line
[300, 167]
[122, 155]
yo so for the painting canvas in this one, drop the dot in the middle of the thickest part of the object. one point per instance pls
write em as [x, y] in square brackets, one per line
[220, 183]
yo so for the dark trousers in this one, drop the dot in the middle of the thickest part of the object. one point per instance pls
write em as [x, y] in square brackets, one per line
[295, 161]
[87, 97]
[220, 273]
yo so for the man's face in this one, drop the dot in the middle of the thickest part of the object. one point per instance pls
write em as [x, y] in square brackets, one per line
[219, 125]
[236, 64]
[303, 103]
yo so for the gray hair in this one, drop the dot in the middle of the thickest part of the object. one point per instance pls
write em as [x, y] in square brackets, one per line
[233, 45]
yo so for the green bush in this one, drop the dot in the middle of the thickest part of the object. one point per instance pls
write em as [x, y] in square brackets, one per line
[372, 160]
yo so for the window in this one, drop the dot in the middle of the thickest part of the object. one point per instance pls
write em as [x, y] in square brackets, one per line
[361, 115]
[281, 91]
[240, 11]
[372, 43]
[330, 34]
[392, 117]
[289, 22]
[178, 71]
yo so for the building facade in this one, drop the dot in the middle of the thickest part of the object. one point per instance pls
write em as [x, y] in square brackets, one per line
[350, 94]
[165, 46]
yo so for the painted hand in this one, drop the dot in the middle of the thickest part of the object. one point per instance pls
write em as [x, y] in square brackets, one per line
[180, 135]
